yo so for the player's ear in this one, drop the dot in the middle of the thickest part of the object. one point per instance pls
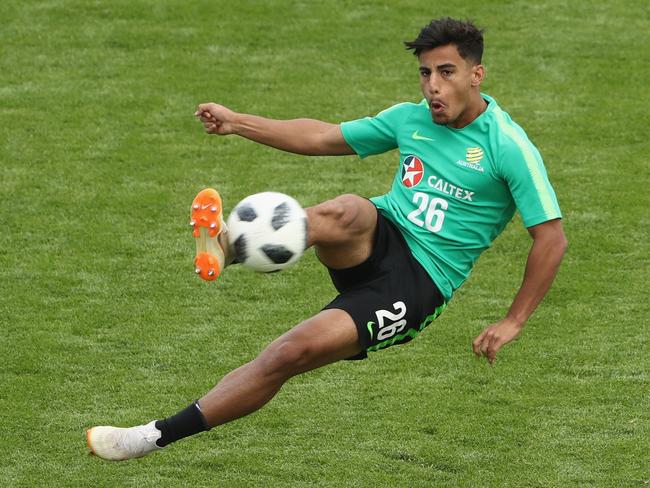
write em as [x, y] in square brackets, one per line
[478, 73]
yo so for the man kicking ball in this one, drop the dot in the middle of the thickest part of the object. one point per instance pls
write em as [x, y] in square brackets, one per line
[396, 259]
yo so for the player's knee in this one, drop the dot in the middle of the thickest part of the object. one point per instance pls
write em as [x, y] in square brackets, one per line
[343, 212]
[286, 358]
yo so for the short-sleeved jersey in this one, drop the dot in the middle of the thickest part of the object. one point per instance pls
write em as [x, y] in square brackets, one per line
[455, 189]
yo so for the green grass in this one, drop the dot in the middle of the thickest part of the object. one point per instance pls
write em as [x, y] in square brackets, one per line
[103, 321]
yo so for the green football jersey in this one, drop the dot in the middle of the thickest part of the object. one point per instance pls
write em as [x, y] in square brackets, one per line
[455, 189]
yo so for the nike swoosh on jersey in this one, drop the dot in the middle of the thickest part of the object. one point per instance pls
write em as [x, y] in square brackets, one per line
[418, 137]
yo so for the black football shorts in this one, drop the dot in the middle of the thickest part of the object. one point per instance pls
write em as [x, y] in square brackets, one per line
[390, 296]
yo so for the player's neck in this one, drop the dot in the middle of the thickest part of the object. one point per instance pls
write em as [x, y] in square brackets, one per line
[477, 106]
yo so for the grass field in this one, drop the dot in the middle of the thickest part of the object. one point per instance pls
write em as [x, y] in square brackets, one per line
[102, 319]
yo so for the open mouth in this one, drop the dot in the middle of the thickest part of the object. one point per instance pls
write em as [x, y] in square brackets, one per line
[436, 107]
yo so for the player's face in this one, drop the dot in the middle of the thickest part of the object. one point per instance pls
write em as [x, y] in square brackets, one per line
[451, 86]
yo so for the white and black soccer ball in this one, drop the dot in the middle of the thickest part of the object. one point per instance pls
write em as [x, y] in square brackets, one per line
[267, 231]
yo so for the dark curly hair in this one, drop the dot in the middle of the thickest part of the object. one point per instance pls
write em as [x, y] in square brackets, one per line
[467, 38]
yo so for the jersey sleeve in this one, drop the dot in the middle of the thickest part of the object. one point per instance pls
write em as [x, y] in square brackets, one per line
[374, 135]
[523, 170]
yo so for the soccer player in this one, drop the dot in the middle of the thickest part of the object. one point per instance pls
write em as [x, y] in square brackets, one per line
[396, 259]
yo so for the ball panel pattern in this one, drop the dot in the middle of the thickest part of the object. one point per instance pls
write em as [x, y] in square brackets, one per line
[277, 253]
[241, 252]
[246, 213]
[281, 216]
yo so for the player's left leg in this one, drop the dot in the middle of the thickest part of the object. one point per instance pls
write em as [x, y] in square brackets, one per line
[342, 231]
[329, 336]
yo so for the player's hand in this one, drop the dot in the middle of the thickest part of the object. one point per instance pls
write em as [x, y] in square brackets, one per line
[494, 337]
[216, 119]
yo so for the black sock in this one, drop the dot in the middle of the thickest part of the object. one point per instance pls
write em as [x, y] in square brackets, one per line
[185, 423]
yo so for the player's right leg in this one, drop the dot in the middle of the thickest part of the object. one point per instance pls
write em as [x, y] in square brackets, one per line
[341, 229]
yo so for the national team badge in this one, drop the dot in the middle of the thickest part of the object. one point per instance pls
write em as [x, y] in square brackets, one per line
[412, 171]
[473, 157]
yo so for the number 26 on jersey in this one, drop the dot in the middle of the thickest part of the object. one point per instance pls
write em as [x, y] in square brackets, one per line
[433, 210]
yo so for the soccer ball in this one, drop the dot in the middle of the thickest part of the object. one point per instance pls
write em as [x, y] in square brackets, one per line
[268, 231]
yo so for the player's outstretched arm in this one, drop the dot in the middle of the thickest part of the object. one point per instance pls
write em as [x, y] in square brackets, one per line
[302, 136]
[549, 245]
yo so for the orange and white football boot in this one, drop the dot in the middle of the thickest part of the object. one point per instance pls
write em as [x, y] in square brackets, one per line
[210, 233]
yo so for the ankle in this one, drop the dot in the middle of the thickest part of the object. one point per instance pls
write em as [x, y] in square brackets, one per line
[187, 422]
[228, 251]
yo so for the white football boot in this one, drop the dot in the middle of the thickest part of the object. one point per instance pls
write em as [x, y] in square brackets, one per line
[120, 444]
[210, 233]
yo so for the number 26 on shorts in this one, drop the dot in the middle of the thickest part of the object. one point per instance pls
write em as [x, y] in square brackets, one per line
[391, 323]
